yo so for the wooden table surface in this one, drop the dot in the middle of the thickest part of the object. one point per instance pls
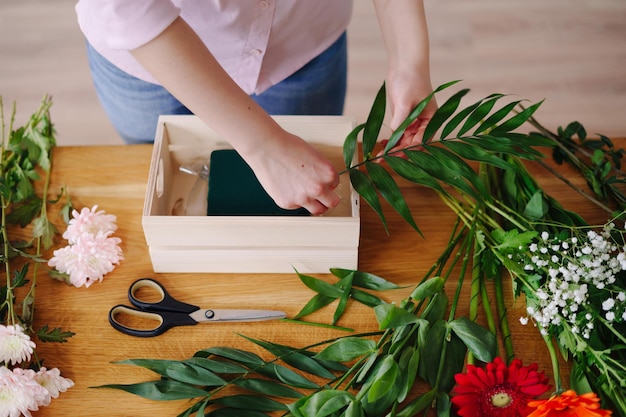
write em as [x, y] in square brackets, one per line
[114, 178]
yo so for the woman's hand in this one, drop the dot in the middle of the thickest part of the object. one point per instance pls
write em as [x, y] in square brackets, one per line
[295, 174]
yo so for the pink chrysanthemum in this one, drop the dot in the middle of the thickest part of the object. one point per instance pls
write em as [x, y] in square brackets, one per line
[15, 345]
[89, 222]
[498, 390]
[52, 381]
[89, 258]
[20, 393]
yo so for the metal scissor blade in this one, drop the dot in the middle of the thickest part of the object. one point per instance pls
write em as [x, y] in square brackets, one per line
[236, 315]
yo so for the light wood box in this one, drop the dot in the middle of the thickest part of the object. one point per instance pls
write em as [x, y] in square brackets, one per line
[255, 244]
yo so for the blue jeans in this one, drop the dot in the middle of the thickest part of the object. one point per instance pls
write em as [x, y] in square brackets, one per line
[134, 105]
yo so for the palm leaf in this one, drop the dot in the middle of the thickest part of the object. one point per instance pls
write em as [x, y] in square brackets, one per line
[442, 114]
[397, 134]
[374, 122]
[366, 189]
[413, 172]
[480, 113]
[441, 171]
[496, 117]
[349, 145]
[390, 191]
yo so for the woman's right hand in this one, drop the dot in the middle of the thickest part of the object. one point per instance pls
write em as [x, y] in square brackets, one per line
[294, 173]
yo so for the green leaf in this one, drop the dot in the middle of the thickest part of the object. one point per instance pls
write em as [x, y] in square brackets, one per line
[230, 412]
[476, 153]
[383, 379]
[397, 134]
[479, 340]
[56, 334]
[217, 366]
[365, 279]
[444, 405]
[457, 119]
[267, 387]
[436, 308]
[390, 316]
[496, 117]
[317, 302]
[295, 358]
[479, 114]
[442, 347]
[349, 145]
[237, 355]
[537, 207]
[250, 402]
[365, 187]
[418, 404]
[320, 286]
[345, 284]
[162, 390]
[461, 167]
[321, 404]
[513, 239]
[374, 122]
[442, 114]
[390, 191]
[428, 288]
[517, 120]
[179, 371]
[409, 366]
[366, 298]
[413, 172]
[441, 171]
[347, 349]
[354, 410]
[287, 376]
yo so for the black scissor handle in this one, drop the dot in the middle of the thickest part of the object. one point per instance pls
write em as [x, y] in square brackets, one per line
[166, 303]
[165, 319]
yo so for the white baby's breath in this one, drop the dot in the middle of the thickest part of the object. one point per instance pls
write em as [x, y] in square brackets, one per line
[576, 272]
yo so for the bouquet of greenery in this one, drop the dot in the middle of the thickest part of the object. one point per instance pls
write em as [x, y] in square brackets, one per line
[25, 164]
[509, 232]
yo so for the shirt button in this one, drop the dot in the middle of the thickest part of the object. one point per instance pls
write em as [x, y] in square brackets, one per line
[256, 52]
[264, 4]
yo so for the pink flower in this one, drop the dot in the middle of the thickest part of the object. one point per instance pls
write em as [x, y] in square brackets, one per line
[89, 222]
[53, 382]
[20, 393]
[89, 258]
[15, 345]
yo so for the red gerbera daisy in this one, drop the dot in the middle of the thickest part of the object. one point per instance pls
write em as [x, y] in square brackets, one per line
[498, 390]
[568, 404]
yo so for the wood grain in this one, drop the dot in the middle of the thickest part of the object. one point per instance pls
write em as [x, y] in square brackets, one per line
[113, 177]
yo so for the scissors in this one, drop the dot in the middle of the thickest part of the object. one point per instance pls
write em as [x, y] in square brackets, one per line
[169, 312]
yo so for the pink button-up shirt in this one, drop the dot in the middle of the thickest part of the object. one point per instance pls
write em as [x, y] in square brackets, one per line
[258, 42]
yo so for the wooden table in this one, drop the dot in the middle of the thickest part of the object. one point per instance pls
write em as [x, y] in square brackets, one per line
[114, 178]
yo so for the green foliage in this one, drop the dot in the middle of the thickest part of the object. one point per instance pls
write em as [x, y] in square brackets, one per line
[25, 165]
[477, 165]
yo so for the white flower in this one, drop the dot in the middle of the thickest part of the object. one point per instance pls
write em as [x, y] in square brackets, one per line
[610, 316]
[15, 345]
[89, 222]
[20, 393]
[89, 258]
[52, 381]
[608, 304]
[523, 320]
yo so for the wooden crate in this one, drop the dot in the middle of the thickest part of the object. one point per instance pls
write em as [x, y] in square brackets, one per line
[258, 244]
